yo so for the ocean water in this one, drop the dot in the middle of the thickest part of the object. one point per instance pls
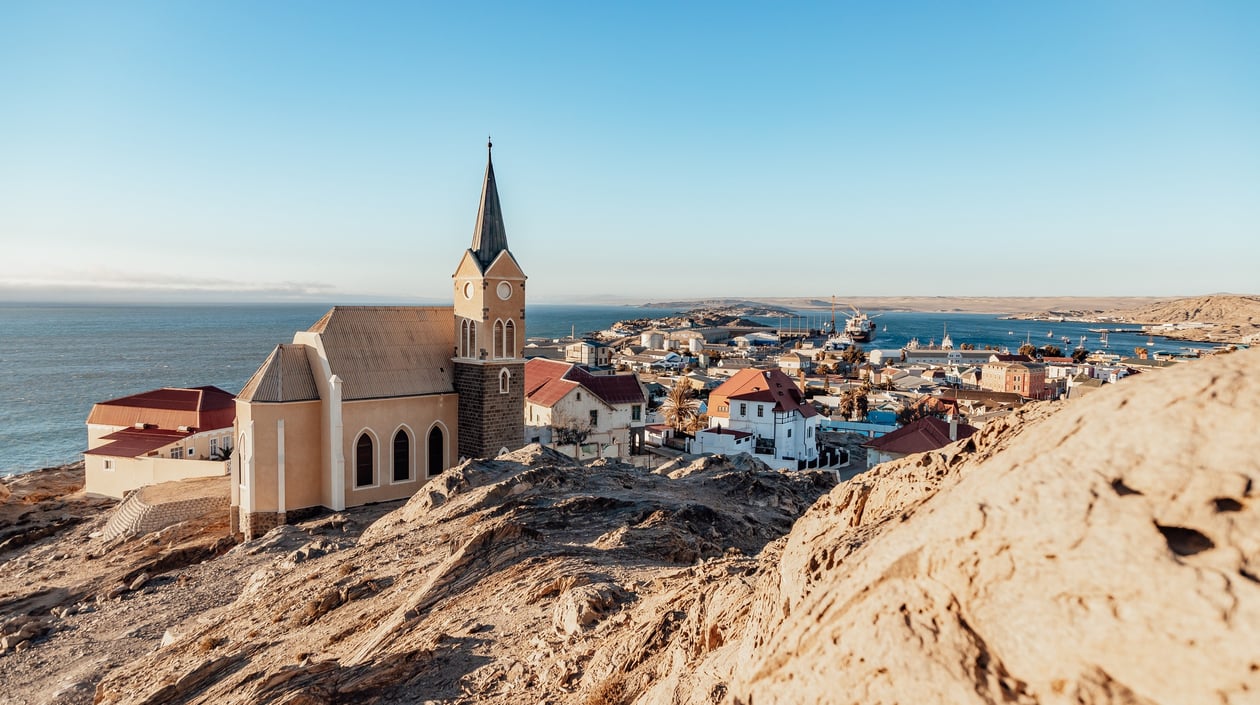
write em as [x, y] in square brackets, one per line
[58, 360]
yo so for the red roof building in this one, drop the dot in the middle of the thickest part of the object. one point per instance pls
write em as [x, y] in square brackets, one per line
[603, 411]
[926, 434]
[152, 437]
[767, 405]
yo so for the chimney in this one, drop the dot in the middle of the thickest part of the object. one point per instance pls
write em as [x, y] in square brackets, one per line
[953, 427]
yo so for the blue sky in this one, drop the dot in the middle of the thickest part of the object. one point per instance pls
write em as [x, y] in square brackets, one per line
[315, 150]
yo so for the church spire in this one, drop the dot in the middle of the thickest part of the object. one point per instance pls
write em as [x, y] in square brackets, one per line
[489, 235]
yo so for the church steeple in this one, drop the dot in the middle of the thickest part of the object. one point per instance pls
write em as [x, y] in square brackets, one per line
[489, 235]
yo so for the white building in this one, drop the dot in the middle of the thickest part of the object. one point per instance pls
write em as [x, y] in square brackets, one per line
[767, 405]
[581, 413]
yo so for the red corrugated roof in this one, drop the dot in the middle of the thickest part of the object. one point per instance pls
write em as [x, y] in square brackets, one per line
[544, 381]
[135, 442]
[928, 433]
[203, 408]
[614, 389]
[549, 381]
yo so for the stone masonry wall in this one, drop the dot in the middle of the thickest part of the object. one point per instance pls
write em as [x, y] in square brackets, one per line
[488, 419]
[258, 523]
[134, 516]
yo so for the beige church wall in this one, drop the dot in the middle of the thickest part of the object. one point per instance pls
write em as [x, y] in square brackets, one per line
[382, 417]
[303, 454]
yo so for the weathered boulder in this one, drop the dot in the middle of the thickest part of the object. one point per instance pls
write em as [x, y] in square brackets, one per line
[1107, 554]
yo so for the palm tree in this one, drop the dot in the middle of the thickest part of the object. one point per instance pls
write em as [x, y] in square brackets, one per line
[854, 402]
[681, 407]
[853, 355]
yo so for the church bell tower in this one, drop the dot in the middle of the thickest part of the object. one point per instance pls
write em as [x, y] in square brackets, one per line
[489, 335]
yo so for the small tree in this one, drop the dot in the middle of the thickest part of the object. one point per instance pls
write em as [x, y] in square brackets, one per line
[568, 432]
[1141, 353]
[1079, 355]
[913, 412]
[1027, 349]
[854, 403]
[1052, 351]
[967, 346]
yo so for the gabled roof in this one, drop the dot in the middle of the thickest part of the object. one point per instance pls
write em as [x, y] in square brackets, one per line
[489, 234]
[284, 376]
[202, 408]
[928, 433]
[767, 386]
[545, 383]
[389, 351]
[548, 381]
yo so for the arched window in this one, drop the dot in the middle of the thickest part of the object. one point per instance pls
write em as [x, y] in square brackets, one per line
[509, 339]
[498, 339]
[363, 466]
[505, 381]
[402, 456]
[437, 451]
[464, 346]
[472, 340]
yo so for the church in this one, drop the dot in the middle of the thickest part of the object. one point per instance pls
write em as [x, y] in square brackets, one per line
[371, 401]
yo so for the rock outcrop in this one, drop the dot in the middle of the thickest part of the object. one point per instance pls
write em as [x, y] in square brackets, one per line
[501, 581]
[1108, 554]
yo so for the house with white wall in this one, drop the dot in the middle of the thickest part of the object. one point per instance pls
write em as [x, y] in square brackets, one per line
[587, 415]
[769, 406]
[157, 436]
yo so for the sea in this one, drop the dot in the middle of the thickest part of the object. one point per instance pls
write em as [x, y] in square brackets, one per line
[56, 360]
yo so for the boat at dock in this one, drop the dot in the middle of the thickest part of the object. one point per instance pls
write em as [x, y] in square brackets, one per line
[860, 328]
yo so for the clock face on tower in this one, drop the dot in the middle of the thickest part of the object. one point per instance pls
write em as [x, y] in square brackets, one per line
[504, 290]
[468, 290]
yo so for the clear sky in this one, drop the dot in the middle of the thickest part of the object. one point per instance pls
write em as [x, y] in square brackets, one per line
[175, 151]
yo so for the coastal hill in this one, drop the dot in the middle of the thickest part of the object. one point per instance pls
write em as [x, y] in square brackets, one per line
[1102, 550]
[937, 304]
[1215, 308]
[1223, 318]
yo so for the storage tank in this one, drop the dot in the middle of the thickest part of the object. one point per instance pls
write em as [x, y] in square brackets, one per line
[652, 340]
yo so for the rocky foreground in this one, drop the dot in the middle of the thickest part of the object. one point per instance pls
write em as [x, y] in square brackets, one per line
[1102, 551]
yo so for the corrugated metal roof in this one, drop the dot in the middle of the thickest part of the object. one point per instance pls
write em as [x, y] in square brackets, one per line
[284, 376]
[762, 385]
[544, 381]
[547, 382]
[928, 433]
[203, 408]
[135, 442]
[389, 351]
